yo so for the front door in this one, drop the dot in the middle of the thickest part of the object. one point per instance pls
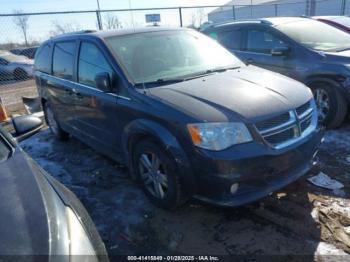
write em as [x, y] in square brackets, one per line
[258, 44]
[96, 111]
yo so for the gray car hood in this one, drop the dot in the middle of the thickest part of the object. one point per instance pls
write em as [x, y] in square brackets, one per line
[246, 94]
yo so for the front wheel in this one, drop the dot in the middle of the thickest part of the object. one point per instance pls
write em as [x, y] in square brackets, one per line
[331, 105]
[156, 171]
[53, 124]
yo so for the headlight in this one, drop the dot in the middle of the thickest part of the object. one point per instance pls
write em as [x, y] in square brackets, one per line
[218, 136]
[79, 242]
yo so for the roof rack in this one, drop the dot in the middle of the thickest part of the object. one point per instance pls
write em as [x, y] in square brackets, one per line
[258, 20]
[73, 33]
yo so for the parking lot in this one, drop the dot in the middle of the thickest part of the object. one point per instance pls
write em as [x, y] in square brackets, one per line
[302, 219]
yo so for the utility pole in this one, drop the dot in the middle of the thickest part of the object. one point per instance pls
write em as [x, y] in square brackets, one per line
[132, 15]
[251, 8]
[98, 14]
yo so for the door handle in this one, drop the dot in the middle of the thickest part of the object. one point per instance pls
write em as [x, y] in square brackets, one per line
[78, 95]
[68, 91]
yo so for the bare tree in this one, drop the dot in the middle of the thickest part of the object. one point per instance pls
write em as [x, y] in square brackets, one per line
[112, 22]
[63, 28]
[198, 18]
[201, 16]
[21, 20]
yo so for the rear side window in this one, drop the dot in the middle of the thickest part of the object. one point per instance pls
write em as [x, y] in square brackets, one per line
[43, 59]
[230, 39]
[91, 62]
[262, 42]
[63, 60]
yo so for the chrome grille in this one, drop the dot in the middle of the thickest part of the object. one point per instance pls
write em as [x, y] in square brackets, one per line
[288, 128]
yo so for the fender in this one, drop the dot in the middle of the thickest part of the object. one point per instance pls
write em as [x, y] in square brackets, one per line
[143, 127]
[341, 83]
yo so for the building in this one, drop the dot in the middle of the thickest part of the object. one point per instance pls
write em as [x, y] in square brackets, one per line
[242, 9]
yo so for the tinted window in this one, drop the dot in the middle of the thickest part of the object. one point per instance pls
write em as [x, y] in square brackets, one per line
[91, 62]
[43, 60]
[63, 60]
[262, 42]
[230, 39]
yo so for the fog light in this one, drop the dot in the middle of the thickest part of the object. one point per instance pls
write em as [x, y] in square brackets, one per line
[234, 188]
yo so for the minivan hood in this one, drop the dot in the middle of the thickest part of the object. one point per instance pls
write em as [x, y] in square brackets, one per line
[247, 94]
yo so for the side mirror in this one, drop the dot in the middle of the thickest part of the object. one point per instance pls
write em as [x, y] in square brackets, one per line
[280, 51]
[103, 82]
[26, 126]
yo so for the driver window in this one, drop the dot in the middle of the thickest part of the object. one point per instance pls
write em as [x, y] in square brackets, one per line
[259, 41]
[91, 62]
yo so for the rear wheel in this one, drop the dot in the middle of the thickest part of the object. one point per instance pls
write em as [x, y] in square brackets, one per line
[53, 124]
[331, 105]
[156, 171]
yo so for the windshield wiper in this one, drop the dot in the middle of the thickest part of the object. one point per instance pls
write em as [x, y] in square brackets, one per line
[345, 49]
[211, 71]
[161, 81]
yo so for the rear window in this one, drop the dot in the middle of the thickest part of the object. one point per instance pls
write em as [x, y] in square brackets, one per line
[43, 59]
[63, 60]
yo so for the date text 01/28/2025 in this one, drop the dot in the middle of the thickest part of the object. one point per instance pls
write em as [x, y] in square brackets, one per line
[173, 258]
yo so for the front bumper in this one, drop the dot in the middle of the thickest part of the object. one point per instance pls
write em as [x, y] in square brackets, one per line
[258, 170]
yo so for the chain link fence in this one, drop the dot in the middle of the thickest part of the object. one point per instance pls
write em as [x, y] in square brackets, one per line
[22, 33]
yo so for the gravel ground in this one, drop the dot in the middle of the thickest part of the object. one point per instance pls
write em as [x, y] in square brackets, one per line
[11, 93]
[301, 219]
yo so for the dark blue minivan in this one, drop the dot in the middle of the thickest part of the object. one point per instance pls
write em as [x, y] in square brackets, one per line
[186, 116]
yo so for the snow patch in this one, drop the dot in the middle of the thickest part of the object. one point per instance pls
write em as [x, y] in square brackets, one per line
[325, 249]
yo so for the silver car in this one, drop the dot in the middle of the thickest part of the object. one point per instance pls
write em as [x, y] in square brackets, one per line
[15, 67]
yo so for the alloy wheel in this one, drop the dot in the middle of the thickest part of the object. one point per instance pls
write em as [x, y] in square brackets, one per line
[153, 174]
[323, 103]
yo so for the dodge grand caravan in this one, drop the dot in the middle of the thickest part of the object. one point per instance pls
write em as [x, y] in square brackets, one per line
[187, 117]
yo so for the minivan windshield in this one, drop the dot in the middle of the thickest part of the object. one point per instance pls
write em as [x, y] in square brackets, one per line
[316, 35]
[169, 55]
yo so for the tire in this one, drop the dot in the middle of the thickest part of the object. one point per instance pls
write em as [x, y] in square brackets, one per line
[20, 74]
[53, 124]
[164, 175]
[337, 105]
